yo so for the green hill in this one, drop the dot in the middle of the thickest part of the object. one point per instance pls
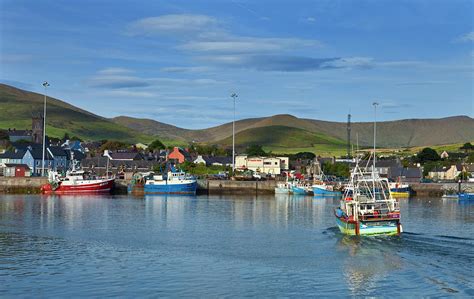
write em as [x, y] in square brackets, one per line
[280, 133]
[283, 139]
[390, 134]
[18, 106]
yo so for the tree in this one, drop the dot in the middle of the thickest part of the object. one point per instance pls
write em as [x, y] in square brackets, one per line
[305, 156]
[113, 145]
[156, 145]
[467, 147]
[427, 154]
[255, 150]
[4, 135]
[470, 158]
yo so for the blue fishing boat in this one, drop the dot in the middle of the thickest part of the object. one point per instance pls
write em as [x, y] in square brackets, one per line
[322, 189]
[466, 196]
[301, 188]
[174, 182]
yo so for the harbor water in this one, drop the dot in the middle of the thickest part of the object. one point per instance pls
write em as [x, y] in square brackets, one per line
[226, 246]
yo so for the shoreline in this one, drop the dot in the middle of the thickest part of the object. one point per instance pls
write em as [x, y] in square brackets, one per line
[32, 185]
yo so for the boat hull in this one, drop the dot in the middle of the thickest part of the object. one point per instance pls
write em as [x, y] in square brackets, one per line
[104, 186]
[367, 228]
[324, 192]
[466, 196]
[299, 191]
[400, 194]
[180, 188]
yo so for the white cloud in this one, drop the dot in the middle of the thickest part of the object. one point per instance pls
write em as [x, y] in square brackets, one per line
[114, 71]
[468, 37]
[185, 69]
[351, 62]
[248, 45]
[310, 20]
[177, 23]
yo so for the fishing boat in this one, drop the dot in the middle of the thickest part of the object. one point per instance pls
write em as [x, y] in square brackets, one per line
[399, 189]
[301, 188]
[466, 196]
[320, 187]
[173, 182]
[367, 207]
[76, 182]
[283, 188]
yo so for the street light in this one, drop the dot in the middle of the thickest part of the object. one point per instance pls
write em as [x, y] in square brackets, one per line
[234, 97]
[45, 84]
[375, 104]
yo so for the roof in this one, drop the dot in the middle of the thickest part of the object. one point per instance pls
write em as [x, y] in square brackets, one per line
[37, 153]
[57, 151]
[219, 159]
[15, 132]
[126, 156]
[13, 155]
[17, 165]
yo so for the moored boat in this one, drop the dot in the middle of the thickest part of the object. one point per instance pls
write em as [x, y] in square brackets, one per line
[466, 196]
[399, 189]
[76, 182]
[283, 188]
[174, 182]
[301, 188]
[321, 189]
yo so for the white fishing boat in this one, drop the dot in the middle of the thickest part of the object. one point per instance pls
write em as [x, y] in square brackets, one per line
[367, 207]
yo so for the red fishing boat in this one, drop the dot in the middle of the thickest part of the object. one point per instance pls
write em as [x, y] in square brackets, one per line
[76, 182]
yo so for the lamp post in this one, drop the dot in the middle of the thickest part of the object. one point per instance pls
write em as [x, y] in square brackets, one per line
[375, 104]
[45, 84]
[234, 97]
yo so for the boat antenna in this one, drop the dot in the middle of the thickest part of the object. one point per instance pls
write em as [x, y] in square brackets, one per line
[375, 104]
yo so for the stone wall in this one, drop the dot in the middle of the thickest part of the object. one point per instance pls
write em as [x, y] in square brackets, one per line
[438, 189]
[21, 184]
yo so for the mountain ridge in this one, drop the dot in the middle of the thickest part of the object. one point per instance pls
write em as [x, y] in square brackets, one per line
[19, 105]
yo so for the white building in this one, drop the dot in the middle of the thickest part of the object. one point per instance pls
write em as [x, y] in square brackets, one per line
[270, 165]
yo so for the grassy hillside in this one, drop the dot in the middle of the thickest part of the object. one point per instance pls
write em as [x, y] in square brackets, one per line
[18, 106]
[390, 134]
[283, 139]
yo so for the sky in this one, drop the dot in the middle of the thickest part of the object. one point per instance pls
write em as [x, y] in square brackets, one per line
[178, 62]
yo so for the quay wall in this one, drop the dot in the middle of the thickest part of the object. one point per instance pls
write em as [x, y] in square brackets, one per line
[23, 185]
[27, 185]
[438, 189]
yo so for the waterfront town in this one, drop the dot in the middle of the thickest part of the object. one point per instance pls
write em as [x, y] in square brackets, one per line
[22, 157]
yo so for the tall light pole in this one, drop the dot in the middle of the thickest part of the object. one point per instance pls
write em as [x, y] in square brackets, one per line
[45, 84]
[234, 97]
[375, 104]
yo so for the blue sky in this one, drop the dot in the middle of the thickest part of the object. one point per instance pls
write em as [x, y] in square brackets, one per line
[179, 61]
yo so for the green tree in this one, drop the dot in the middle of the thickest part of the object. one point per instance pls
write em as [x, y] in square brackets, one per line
[427, 154]
[255, 150]
[467, 147]
[156, 145]
[305, 156]
[114, 145]
[337, 169]
[470, 158]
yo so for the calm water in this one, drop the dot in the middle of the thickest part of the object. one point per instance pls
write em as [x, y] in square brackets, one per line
[226, 246]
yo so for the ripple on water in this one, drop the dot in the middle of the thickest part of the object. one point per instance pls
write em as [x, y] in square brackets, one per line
[210, 246]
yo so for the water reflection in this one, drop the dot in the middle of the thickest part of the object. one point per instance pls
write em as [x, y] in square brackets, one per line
[367, 261]
[226, 245]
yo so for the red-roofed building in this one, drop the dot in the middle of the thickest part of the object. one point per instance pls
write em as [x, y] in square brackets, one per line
[179, 155]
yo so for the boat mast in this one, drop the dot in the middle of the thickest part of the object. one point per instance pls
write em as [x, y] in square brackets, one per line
[375, 104]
